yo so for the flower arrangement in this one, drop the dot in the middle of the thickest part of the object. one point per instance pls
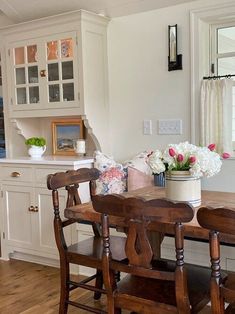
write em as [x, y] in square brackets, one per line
[36, 141]
[199, 161]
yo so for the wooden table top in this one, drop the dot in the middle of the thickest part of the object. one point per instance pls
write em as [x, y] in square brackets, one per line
[192, 229]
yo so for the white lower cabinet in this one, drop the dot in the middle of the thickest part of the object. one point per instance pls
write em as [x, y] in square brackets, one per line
[26, 220]
[19, 221]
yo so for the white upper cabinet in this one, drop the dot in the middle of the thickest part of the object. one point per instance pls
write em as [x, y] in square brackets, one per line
[43, 73]
[56, 66]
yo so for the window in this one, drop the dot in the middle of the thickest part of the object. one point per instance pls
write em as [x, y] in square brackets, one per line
[223, 56]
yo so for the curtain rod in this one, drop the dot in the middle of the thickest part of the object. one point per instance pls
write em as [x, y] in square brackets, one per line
[218, 77]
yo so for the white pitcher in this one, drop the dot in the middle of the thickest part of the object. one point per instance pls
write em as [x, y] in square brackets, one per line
[36, 151]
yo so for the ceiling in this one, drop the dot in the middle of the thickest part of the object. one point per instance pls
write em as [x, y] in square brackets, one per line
[24, 10]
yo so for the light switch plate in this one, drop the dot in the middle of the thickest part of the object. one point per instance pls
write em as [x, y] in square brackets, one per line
[170, 126]
[147, 127]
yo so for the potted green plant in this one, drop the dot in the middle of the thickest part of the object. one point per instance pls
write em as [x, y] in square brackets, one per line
[37, 146]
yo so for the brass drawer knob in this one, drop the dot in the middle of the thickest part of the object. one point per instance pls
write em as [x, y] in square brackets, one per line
[36, 209]
[15, 174]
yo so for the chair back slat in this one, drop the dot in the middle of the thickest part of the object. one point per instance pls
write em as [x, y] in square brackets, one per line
[138, 249]
[158, 210]
[219, 219]
[70, 180]
[70, 177]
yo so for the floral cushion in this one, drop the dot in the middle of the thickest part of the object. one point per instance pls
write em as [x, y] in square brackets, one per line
[113, 178]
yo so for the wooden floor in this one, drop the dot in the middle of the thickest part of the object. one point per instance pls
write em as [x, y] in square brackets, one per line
[29, 288]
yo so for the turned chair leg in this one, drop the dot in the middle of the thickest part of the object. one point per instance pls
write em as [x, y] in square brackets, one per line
[64, 288]
[98, 284]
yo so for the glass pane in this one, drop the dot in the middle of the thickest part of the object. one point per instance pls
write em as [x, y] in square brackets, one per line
[67, 70]
[54, 93]
[226, 66]
[21, 95]
[226, 39]
[53, 72]
[33, 74]
[19, 55]
[66, 48]
[33, 94]
[68, 92]
[20, 76]
[32, 53]
[52, 50]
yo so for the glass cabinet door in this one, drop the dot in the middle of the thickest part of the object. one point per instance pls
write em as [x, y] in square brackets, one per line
[26, 75]
[60, 69]
[43, 74]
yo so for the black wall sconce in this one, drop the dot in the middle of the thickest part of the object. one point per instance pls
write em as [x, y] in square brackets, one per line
[174, 60]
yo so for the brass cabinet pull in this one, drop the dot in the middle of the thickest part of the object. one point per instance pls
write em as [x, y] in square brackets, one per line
[31, 208]
[43, 73]
[15, 174]
[36, 209]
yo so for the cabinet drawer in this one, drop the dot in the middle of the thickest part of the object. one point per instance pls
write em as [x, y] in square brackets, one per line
[42, 173]
[17, 174]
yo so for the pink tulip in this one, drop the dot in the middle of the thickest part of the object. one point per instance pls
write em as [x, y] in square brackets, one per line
[226, 155]
[192, 159]
[180, 158]
[211, 147]
[172, 152]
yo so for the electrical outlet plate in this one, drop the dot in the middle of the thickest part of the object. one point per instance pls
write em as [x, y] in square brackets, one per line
[170, 126]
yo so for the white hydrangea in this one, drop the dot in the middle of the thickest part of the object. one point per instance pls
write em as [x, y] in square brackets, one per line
[207, 163]
[155, 162]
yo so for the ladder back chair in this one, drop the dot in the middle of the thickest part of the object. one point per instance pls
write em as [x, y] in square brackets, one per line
[87, 252]
[219, 220]
[151, 285]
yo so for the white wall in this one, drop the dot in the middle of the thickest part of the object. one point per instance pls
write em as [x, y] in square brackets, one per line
[140, 85]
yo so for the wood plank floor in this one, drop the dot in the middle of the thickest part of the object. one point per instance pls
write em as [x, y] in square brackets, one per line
[27, 288]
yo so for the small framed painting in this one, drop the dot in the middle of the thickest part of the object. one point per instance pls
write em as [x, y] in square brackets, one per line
[65, 133]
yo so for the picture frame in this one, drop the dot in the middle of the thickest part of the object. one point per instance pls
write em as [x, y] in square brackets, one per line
[65, 133]
[174, 60]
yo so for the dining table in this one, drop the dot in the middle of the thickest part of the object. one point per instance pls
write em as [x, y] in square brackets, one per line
[85, 213]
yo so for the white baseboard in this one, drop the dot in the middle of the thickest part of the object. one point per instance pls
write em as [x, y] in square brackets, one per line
[34, 259]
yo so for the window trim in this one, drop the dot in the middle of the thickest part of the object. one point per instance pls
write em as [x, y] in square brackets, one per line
[214, 55]
[200, 20]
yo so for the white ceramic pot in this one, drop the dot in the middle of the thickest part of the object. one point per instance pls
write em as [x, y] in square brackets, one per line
[36, 151]
[181, 186]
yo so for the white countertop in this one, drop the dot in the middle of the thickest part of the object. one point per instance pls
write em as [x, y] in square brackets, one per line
[50, 160]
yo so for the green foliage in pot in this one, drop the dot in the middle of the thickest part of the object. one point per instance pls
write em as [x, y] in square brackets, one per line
[36, 141]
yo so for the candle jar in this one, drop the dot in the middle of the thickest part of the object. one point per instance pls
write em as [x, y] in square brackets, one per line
[81, 147]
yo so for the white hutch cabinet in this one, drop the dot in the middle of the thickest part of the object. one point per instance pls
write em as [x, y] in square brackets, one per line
[55, 67]
[52, 67]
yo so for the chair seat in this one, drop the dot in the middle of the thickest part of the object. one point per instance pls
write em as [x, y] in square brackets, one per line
[162, 291]
[89, 251]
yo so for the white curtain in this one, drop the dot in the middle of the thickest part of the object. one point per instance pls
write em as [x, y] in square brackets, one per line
[216, 114]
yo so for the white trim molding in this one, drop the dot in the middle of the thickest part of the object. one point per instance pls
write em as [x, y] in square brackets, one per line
[200, 21]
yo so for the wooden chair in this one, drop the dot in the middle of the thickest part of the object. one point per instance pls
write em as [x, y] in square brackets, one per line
[151, 286]
[222, 287]
[88, 252]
